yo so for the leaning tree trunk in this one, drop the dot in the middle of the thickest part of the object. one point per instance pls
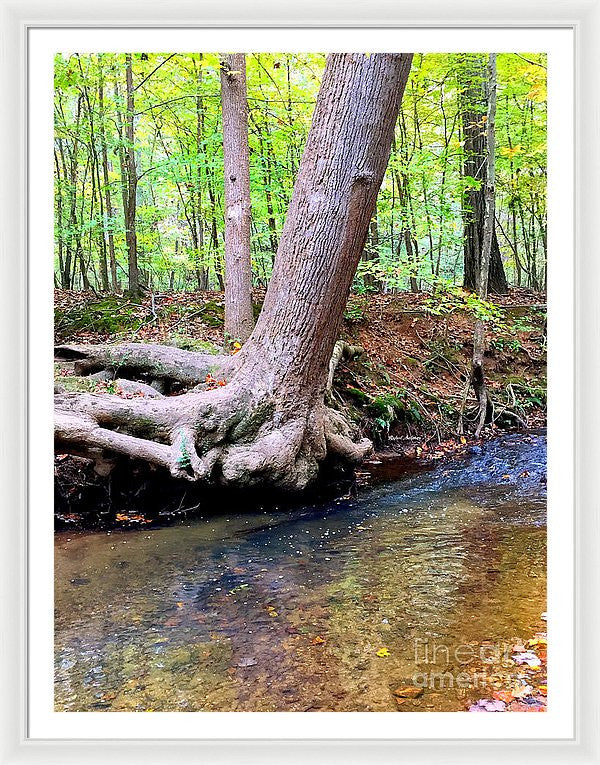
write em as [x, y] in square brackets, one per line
[239, 318]
[269, 423]
[474, 114]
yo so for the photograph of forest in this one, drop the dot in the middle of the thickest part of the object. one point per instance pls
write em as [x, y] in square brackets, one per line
[300, 382]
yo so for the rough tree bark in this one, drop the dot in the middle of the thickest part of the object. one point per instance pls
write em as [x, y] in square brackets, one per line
[269, 424]
[239, 318]
[131, 184]
[202, 274]
[485, 407]
[473, 113]
[114, 281]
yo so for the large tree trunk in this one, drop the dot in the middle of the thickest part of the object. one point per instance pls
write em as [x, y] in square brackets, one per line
[269, 423]
[474, 114]
[239, 318]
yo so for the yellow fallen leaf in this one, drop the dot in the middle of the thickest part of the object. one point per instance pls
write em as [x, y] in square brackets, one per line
[318, 640]
[179, 604]
[382, 652]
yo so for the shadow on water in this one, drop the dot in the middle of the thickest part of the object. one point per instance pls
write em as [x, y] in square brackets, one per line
[267, 611]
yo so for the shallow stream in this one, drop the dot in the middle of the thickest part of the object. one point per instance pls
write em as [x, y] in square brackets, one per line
[326, 607]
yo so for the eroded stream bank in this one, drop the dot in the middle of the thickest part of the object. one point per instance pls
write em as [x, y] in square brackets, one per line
[328, 607]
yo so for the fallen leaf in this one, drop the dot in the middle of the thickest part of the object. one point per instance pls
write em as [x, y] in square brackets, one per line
[488, 705]
[382, 652]
[521, 691]
[529, 658]
[408, 692]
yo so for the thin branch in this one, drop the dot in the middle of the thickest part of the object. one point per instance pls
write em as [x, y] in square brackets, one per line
[156, 68]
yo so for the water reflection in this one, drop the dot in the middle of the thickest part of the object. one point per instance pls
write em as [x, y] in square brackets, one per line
[270, 611]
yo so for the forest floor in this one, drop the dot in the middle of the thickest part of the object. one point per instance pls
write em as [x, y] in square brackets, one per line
[408, 390]
[410, 383]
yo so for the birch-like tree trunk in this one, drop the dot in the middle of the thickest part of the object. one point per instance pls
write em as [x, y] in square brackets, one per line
[239, 318]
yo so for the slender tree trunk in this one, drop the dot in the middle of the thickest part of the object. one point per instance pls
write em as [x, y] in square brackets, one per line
[131, 179]
[485, 410]
[214, 235]
[475, 167]
[66, 276]
[265, 155]
[401, 179]
[58, 227]
[202, 270]
[95, 183]
[371, 254]
[108, 209]
[73, 176]
[269, 424]
[239, 318]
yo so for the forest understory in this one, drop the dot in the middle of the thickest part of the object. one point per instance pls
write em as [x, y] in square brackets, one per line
[407, 388]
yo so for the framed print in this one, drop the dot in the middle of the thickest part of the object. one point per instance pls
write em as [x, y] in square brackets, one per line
[300, 413]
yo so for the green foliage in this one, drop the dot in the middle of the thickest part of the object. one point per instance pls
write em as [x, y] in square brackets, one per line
[179, 163]
[385, 409]
[506, 344]
[447, 298]
[354, 313]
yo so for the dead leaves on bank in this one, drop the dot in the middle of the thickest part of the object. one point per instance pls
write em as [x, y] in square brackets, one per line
[525, 688]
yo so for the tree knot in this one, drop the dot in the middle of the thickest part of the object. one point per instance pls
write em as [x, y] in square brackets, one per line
[363, 177]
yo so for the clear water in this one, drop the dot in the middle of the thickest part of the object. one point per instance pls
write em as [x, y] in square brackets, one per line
[247, 611]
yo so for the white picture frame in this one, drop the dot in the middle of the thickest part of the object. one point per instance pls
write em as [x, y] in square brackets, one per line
[17, 19]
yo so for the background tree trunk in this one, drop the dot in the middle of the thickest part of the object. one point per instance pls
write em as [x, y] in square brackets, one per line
[485, 410]
[239, 318]
[114, 282]
[203, 273]
[472, 81]
[131, 179]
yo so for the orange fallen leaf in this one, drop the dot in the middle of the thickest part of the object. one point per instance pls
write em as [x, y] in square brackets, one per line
[408, 692]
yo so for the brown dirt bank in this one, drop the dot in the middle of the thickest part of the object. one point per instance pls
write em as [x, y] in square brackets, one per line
[408, 390]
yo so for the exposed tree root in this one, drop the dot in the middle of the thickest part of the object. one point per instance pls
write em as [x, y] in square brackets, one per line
[148, 361]
[342, 351]
[237, 435]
